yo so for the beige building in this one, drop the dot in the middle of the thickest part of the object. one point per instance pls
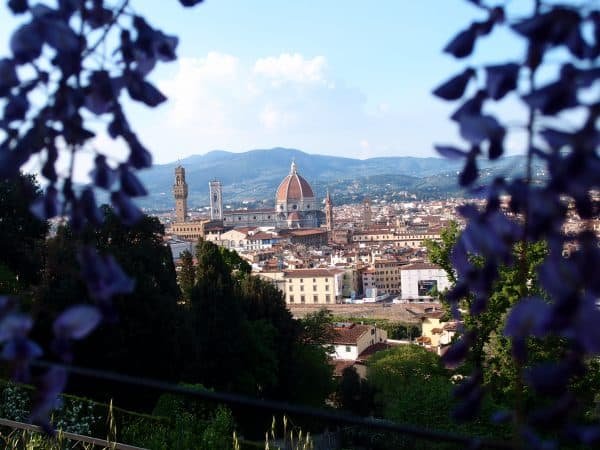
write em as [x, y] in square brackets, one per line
[194, 229]
[387, 276]
[308, 286]
[412, 239]
[434, 332]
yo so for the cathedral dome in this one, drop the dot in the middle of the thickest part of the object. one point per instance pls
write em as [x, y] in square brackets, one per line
[293, 188]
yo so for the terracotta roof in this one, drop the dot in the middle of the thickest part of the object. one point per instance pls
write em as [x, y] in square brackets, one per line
[420, 266]
[451, 326]
[433, 315]
[437, 331]
[293, 187]
[262, 235]
[306, 232]
[372, 349]
[308, 273]
[349, 335]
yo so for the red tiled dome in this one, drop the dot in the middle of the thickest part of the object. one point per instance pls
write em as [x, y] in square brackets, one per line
[293, 187]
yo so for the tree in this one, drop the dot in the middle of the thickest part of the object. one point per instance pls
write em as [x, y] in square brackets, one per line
[353, 393]
[317, 328]
[22, 234]
[187, 275]
[82, 57]
[146, 325]
[438, 252]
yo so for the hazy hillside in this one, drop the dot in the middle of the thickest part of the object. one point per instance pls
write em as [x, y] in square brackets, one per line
[254, 175]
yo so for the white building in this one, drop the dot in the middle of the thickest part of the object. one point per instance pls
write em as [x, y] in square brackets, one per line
[419, 281]
[351, 340]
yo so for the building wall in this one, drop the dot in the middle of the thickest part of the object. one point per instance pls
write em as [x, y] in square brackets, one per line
[412, 278]
[313, 290]
[275, 278]
[370, 337]
[412, 240]
[427, 325]
[189, 230]
[347, 352]
[387, 276]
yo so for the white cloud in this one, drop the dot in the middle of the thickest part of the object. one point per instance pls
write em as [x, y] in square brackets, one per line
[222, 102]
[295, 68]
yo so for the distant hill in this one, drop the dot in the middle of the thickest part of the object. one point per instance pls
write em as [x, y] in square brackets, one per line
[253, 176]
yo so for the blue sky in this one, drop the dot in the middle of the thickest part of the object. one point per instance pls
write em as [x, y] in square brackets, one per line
[349, 78]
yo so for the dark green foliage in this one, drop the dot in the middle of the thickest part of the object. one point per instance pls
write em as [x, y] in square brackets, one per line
[317, 327]
[235, 262]
[242, 328]
[144, 339]
[188, 424]
[186, 275]
[354, 394]
[21, 234]
[411, 386]
[439, 252]
[395, 330]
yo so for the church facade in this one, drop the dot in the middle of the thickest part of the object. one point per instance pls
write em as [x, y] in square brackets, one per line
[296, 206]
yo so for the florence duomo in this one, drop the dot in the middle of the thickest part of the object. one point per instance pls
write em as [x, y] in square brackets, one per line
[296, 206]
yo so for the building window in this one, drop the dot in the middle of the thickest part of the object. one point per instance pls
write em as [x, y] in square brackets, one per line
[326, 287]
[314, 287]
[315, 299]
[291, 288]
[348, 349]
[328, 298]
[302, 288]
[294, 206]
[302, 300]
[291, 299]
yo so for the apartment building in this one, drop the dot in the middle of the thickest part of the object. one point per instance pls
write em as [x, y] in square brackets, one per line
[308, 286]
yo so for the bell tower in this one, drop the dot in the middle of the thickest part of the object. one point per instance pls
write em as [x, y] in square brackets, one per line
[328, 212]
[216, 200]
[367, 212]
[180, 192]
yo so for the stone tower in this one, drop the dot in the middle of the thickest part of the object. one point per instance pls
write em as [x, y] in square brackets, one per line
[367, 212]
[328, 212]
[180, 192]
[216, 200]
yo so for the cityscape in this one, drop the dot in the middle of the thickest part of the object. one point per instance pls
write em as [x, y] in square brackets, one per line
[232, 225]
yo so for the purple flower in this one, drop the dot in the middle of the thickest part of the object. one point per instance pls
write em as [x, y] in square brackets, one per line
[103, 275]
[528, 317]
[454, 88]
[77, 322]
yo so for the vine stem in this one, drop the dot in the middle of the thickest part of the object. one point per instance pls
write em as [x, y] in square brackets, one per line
[107, 29]
[523, 257]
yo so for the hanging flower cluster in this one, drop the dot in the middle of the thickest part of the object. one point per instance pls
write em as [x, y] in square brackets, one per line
[538, 208]
[71, 63]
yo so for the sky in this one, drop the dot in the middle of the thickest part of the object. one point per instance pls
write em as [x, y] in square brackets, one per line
[346, 78]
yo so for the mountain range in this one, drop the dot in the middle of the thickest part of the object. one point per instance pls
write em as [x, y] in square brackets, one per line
[252, 177]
